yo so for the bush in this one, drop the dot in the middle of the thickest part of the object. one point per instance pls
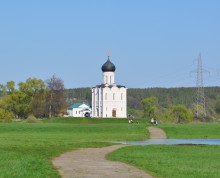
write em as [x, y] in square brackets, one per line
[167, 117]
[6, 116]
[180, 114]
[31, 119]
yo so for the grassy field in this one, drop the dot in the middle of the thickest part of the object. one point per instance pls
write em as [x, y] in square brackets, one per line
[193, 130]
[26, 149]
[172, 161]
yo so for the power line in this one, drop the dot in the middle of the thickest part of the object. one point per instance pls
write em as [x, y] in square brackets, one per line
[168, 76]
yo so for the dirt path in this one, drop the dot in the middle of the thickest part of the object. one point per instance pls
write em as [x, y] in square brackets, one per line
[91, 162]
[156, 133]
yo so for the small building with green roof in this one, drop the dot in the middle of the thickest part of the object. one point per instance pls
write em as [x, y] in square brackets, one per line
[79, 110]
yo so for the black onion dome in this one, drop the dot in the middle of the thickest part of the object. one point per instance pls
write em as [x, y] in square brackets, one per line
[108, 66]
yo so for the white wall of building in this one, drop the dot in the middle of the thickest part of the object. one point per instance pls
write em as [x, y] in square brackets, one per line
[108, 78]
[114, 102]
[80, 111]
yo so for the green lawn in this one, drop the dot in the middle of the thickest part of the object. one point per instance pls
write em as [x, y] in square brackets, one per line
[26, 149]
[173, 161]
[193, 130]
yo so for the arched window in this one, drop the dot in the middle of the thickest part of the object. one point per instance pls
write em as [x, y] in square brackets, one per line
[113, 96]
[121, 96]
[106, 96]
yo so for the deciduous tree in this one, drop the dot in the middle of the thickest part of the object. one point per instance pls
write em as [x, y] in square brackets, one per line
[150, 106]
[181, 114]
[56, 96]
[5, 116]
[32, 86]
[217, 105]
[18, 103]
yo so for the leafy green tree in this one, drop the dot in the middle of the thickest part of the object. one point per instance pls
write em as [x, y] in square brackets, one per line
[150, 106]
[197, 110]
[39, 104]
[10, 86]
[217, 105]
[32, 86]
[36, 90]
[181, 114]
[18, 103]
[5, 116]
[3, 90]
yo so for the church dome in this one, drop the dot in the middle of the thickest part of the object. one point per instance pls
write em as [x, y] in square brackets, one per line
[108, 66]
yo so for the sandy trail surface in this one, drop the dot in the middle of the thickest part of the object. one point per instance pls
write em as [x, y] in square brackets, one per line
[92, 162]
[156, 133]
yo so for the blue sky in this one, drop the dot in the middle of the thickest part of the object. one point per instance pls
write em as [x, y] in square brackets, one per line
[154, 43]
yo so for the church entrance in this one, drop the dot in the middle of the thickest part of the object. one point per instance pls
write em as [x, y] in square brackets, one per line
[114, 113]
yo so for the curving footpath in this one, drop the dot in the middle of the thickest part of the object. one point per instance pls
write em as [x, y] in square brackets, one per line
[156, 133]
[91, 162]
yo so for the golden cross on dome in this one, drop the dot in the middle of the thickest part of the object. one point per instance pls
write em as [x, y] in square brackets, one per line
[109, 52]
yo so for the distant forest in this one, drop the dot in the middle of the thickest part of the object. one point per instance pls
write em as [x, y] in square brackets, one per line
[166, 97]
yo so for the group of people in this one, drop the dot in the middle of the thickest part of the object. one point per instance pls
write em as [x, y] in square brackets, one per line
[153, 121]
[131, 121]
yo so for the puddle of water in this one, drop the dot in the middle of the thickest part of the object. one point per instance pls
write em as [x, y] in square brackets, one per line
[174, 142]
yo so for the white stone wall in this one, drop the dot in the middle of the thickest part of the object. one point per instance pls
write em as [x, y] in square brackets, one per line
[105, 100]
[97, 102]
[75, 112]
[79, 112]
[70, 112]
[108, 78]
[114, 99]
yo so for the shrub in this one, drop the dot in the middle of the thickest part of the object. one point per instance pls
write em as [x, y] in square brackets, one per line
[181, 114]
[31, 119]
[6, 116]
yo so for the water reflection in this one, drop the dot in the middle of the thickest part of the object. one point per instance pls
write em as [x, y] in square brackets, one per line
[174, 142]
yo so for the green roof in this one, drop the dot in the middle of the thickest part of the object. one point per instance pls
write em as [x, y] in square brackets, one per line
[76, 105]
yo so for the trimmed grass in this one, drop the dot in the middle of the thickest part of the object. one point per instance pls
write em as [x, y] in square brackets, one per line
[193, 130]
[172, 161]
[27, 148]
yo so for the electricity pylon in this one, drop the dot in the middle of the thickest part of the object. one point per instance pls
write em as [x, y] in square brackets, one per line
[200, 96]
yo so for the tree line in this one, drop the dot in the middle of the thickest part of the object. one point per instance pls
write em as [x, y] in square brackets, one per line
[168, 99]
[32, 97]
[50, 98]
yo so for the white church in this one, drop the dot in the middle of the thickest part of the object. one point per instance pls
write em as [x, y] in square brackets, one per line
[108, 99]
